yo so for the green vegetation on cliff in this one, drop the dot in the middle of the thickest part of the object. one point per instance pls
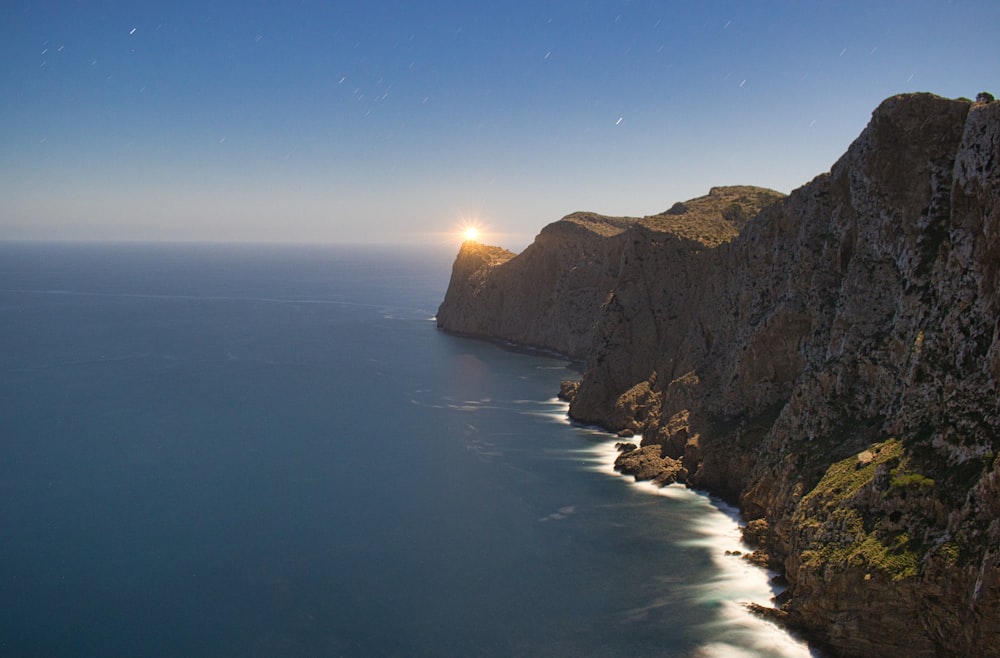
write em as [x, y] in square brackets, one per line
[716, 217]
[847, 529]
[766, 347]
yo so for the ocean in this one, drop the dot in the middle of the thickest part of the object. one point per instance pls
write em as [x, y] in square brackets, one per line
[236, 450]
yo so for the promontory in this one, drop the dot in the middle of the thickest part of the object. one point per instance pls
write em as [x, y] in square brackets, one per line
[828, 360]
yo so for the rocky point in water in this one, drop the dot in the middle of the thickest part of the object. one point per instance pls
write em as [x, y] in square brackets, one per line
[829, 360]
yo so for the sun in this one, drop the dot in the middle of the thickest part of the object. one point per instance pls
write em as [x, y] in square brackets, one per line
[471, 233]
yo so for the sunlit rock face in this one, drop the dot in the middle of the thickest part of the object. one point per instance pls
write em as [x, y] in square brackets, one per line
[829, 360]
[861, 310]
[547, 296]
[471, 298]
[551, 294]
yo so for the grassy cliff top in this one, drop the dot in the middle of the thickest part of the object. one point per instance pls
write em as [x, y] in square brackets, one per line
[712, 219]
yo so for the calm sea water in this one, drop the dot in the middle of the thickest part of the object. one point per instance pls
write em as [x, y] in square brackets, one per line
[271, 451]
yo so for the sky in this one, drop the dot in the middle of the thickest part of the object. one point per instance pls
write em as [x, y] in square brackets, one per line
[382, 121]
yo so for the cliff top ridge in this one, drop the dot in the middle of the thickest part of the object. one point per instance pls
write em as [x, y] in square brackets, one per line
[711, 220]
[834, 368]
[716, 217]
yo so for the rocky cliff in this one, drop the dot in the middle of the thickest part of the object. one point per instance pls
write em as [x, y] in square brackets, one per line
[830, 360]
[551, 294]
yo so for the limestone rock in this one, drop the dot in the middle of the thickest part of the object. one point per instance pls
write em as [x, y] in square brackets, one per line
[829, 360]
[550, 295]
[547, 296]
[567, 390]
[471, 297]
[649, 463]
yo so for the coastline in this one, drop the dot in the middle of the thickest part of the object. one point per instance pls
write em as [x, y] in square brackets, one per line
[743, 592]
[576, 364]
[829, 360]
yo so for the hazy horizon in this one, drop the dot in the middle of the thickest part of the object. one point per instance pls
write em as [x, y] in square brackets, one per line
[384, 122]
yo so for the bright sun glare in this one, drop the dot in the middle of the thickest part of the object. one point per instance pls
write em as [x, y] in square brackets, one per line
[471, 233]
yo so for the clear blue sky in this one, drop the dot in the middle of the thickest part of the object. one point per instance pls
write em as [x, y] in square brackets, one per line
[320, 121]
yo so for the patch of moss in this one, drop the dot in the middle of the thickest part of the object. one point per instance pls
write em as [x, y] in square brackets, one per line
[949, 552]
[898, 557]
[852, 537]
[716, 217]
[904, 480]
[846, 477]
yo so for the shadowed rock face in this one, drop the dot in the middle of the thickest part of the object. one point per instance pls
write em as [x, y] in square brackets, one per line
[547, 296]
[833, 367]
[551, 294]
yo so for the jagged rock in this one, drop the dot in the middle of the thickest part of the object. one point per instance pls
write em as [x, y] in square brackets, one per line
[550, 295]
[547, 296]
[829, 360]
[567, 390]
[649, 463]
[755, 532]
[472, 292]
[766, 612]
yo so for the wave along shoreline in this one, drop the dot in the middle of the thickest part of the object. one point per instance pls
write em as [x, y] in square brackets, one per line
[741, 633]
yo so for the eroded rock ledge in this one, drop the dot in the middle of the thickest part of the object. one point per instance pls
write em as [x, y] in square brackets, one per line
[830, 360]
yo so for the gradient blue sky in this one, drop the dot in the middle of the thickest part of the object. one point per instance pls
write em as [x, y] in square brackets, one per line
[379, 121]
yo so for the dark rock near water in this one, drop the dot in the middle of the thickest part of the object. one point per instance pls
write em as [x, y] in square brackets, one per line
[830, 360]
[567, 390]
[649, 463]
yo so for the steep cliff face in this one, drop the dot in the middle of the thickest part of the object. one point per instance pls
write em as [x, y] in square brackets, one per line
[835, 369]
[550, 295]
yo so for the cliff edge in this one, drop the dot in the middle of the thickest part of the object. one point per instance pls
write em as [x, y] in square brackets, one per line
[551, 294]
[830, 360]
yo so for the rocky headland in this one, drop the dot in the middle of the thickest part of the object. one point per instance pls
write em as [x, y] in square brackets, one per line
[829, 360]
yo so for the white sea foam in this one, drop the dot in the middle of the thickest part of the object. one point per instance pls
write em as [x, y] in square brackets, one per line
[737, 582]
[738, 633]
[553, 409]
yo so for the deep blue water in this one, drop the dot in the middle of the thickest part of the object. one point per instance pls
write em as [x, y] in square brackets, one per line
[271, 451]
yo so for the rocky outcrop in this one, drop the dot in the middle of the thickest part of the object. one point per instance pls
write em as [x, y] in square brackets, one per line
[548, 296]
[832, 365]
[649, 463]
[551, 294]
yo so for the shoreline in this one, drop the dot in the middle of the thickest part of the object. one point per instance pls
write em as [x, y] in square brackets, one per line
[575, 364]
[743, 591]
